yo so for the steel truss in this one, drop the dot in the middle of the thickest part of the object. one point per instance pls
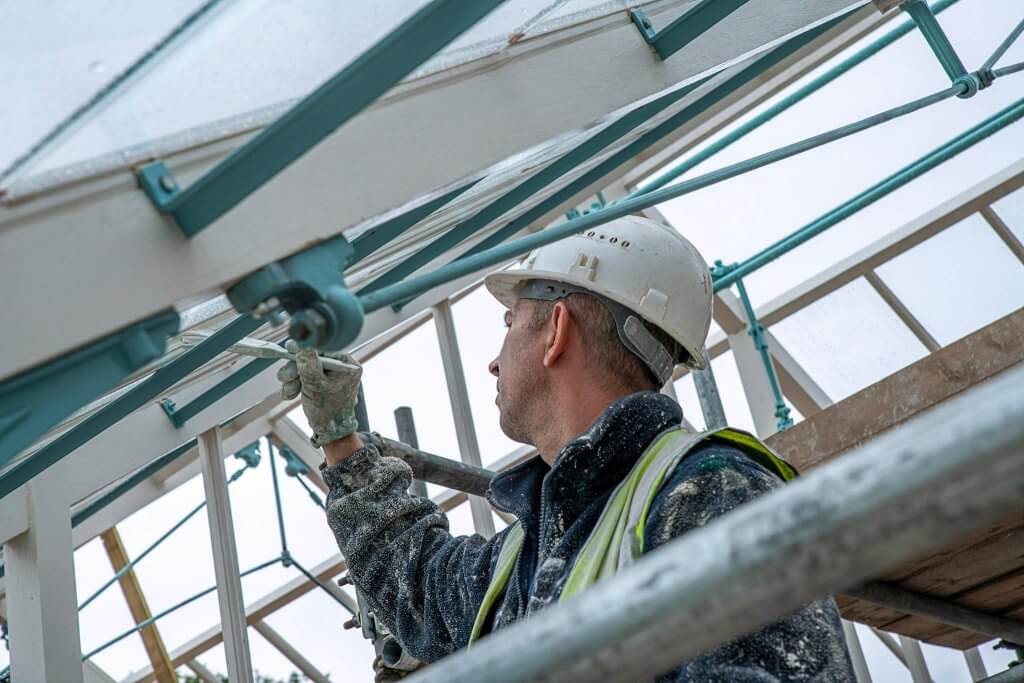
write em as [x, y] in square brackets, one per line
[209, 418]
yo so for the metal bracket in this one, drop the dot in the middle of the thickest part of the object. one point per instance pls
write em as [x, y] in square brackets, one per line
[693, 23]
[34, 401]
[310, 287]
[157, 181]
[171, 411]
[294, 466]
[250, 454]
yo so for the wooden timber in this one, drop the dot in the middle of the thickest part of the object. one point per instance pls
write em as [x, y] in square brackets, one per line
[139, 608]
[984, 571]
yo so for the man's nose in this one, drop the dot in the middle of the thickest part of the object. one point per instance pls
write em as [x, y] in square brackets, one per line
[492, 367]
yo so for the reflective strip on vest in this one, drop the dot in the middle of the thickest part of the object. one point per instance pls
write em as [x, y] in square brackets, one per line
[617, 539]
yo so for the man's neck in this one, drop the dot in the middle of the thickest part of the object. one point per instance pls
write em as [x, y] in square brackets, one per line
[574, 414]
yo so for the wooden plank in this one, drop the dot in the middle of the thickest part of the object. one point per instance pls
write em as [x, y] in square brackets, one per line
[139, 608]
[981, 571]
[973, 566]
[895, 399]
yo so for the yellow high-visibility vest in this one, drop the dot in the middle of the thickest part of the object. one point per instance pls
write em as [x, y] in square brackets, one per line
[617, 539]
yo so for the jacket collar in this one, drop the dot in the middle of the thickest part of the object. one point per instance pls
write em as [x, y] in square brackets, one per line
[593, 462]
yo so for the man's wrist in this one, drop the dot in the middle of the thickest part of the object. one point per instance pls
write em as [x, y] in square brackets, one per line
[340, 449]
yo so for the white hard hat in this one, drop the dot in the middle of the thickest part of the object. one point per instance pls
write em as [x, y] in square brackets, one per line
[644, 266]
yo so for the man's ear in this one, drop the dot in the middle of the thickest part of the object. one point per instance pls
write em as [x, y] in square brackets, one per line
[559, 329]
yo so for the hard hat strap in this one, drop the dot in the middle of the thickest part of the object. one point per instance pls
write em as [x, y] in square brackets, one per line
[633, 334]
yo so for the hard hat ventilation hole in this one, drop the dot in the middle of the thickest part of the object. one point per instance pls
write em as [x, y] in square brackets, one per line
[625, 243]
[613, 240]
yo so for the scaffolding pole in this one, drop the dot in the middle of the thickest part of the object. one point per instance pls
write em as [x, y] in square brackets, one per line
[946, 473]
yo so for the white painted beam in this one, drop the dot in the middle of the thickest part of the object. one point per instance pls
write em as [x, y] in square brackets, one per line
[604, 58]
[225, 557]
[202, 673]
[462, 410]
[975, 664]
[886, 248]
[294, 656]
[94, 674]
[915, 660]
[860, 664]
[42, 606]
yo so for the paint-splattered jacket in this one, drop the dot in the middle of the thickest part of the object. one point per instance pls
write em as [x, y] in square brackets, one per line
[427, 585]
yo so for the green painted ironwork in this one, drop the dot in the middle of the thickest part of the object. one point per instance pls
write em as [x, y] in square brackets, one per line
[277, 503]
[123, 405]
[939, 155]
[936, 38]
[377, 236]
[249, 463]
[324, 313]
[179, 416]
[130, 482]
[760, 341]
[692, 24]
[1003, 47]
[173, 608]
[35, 400]
[413, 286]
[655, 135]
[800, 94]
[355, 87]
[537, 182]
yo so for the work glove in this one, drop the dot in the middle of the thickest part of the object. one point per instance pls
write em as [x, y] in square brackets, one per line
[328, 396]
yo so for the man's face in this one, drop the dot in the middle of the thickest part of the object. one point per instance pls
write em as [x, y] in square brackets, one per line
[520, 372]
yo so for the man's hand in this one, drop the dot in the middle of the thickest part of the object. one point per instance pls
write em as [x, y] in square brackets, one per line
[328, 397]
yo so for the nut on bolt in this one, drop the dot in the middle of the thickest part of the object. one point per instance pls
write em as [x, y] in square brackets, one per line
[308, 327]
[167, 183]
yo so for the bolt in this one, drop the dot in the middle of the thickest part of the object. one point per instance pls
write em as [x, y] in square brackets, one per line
[307, 326]
[345, 580]
[351, 624]
[168, 184]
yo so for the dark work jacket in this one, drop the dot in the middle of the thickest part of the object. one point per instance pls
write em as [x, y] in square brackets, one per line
[427, 585]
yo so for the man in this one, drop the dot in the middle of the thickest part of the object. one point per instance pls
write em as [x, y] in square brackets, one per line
[596, 323]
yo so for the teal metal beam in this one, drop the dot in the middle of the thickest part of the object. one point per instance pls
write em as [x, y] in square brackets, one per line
[179, 416]
[318, 115]
[756, 332]
[652, 137]
[125, 404]
[689, 26]
[937, 156]
[938, 41]
[537, 182]
[130, 482]
[377, 236]
[1003, 47]
[35, 400]
[470, 264]
[800, 94]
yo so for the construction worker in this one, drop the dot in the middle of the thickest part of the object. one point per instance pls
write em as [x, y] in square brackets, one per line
[596, 324]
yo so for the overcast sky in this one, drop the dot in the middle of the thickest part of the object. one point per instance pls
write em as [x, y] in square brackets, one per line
[954, 283]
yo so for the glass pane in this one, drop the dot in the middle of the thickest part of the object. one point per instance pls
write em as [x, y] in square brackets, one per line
[248, 57]
[848, 340]
[312, 624]
[735, 219]
[958, 281]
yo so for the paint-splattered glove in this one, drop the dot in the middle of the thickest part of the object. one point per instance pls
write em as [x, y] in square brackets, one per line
[328, 396]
